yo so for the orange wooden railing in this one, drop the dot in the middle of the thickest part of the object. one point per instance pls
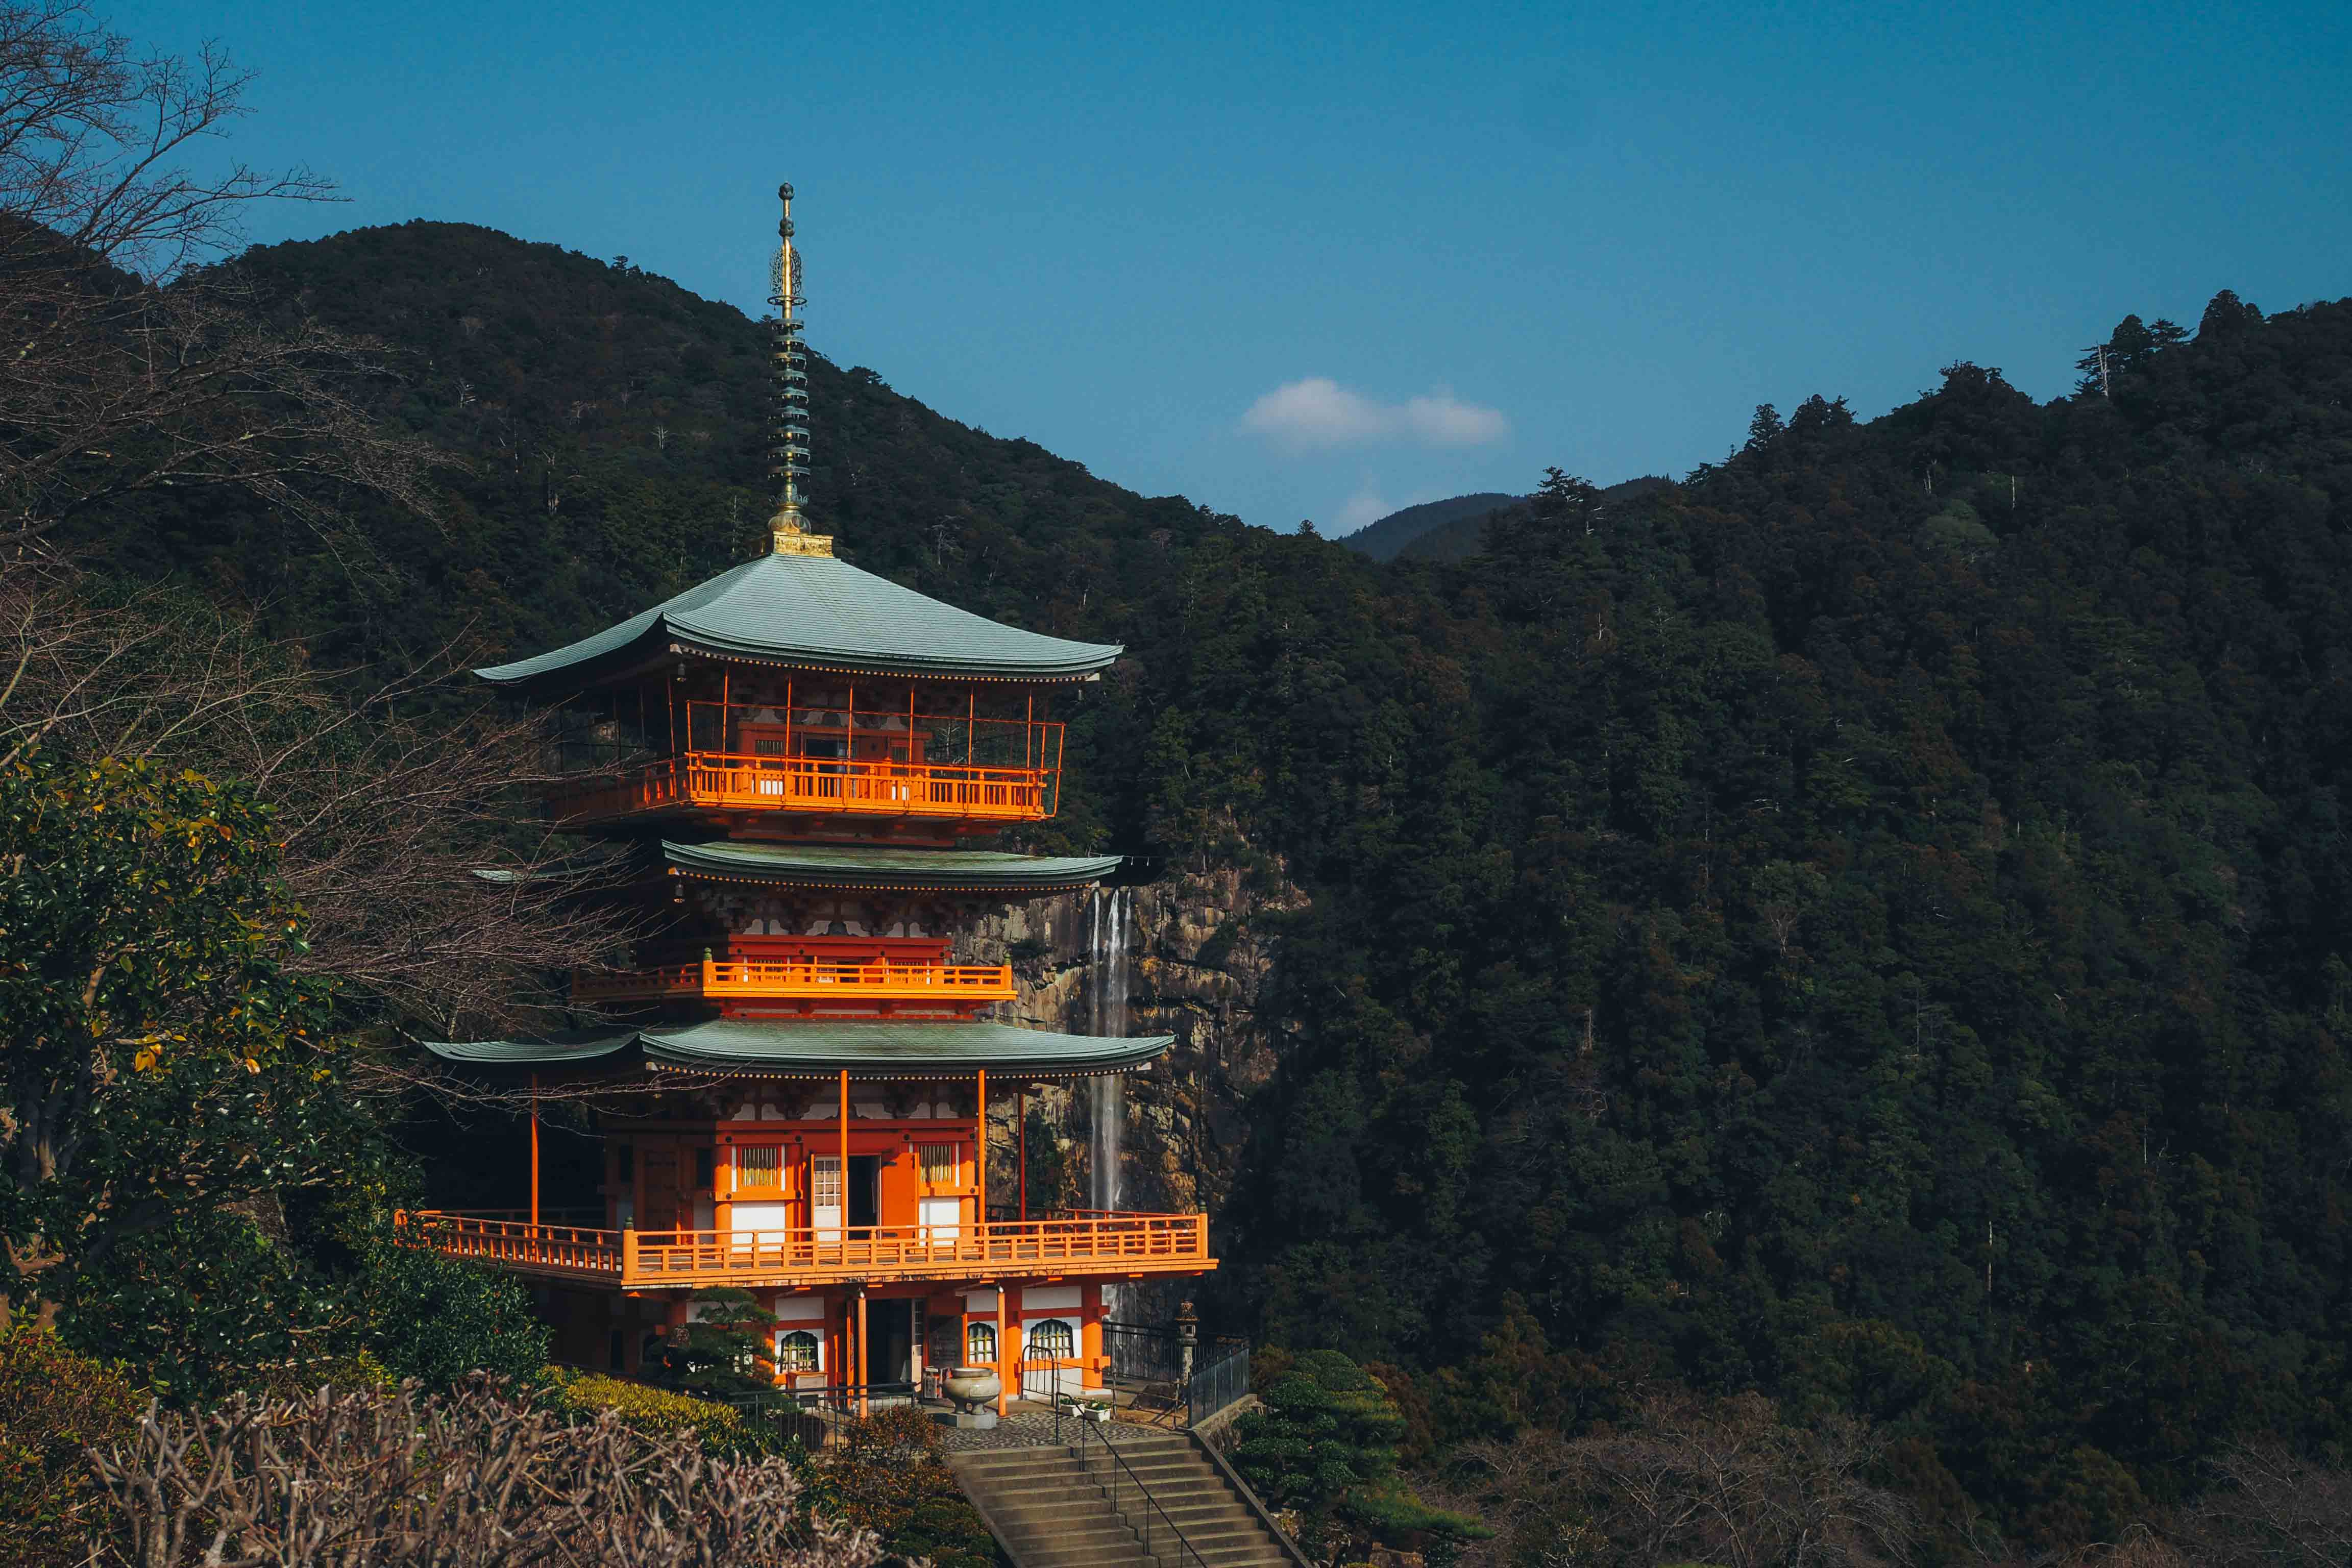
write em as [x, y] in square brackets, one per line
[1117, 1243]
[719, 780]
[823, 978]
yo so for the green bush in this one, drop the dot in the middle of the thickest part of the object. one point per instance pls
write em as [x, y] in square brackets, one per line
[436, 1319]
[659, 1413]
[1326, 1445]
[54, 1404]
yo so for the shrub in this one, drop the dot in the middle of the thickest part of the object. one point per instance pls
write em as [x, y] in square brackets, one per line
[439, 1318]
[54, 1404]
[1326, 1445]
[888, 1476]
[658, 1412]
[476, 1476]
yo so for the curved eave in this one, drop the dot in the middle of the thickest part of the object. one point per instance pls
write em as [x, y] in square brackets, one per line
[853, 661]
[880, 1049]
[884, 1049]
[576, 1046]
[941, 871]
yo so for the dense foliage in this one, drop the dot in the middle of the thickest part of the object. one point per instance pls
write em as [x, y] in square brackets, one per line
[1324, 1442]
[1865, 922]
[54, 1406]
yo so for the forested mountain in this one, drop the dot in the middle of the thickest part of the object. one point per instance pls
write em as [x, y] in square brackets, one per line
[1382, 538]
[1461, 537]
[1866, 922]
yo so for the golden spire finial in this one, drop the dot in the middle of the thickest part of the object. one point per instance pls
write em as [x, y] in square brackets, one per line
[788, 530]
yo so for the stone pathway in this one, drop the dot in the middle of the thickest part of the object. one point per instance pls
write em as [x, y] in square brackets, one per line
[1034, 1429]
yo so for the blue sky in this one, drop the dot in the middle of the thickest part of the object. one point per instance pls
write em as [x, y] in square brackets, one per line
[1321, 261]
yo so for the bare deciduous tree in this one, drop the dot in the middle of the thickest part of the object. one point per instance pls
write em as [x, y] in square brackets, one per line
[1722, 1481]
[371, 1480]
[401, 834]
[136, 363]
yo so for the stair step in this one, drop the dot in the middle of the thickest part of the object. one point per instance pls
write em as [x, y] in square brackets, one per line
[1055, 1508]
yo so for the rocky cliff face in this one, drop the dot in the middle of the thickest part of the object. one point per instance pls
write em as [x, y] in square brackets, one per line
[1196, 956]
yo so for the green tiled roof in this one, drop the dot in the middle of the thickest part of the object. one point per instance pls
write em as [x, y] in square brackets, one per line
[883, 1047]
[838, 865]
[812, 610]
[571, 1046]
[888, 1046]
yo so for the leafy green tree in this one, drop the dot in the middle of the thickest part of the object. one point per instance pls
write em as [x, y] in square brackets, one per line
[723, 1349]
[163, 1065]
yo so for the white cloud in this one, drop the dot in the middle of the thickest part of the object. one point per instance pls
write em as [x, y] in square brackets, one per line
[1319, 412]
[1443, 421]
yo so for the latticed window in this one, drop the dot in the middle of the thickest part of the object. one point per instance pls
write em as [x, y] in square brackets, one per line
[759, 1165]
[980, 1341]
[796, 1350]
[1052, 1340]
[824, 1184]
[940, 1166]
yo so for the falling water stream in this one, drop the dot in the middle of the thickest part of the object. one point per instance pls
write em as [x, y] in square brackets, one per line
[1107, 1110]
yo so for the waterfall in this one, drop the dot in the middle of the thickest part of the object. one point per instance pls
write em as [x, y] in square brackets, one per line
[1106, 1101]
[1106, 1097]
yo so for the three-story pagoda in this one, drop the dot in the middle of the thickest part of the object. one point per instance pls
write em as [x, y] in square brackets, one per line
[797, 753]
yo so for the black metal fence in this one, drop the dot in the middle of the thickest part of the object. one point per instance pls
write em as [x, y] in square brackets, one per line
[1218, 1382]
[1149, 1364]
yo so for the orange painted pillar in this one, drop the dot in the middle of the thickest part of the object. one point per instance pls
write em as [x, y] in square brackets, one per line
[845, 1158]
[1021, 1116]
[861, 1353]
[1004, 1353]
[534, 1151]
[980, 1147]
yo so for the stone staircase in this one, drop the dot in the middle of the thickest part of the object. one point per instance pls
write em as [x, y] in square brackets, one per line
[1048, 1511]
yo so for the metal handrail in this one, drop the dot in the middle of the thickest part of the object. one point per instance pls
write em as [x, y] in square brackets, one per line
[1154, 1524]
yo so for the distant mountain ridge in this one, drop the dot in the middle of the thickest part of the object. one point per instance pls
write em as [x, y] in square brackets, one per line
[1385, 538]
[1454, 530]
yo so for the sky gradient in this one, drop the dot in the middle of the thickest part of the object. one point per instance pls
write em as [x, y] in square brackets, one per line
[1324, 261]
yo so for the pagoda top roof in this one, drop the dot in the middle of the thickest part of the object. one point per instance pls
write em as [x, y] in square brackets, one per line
[816, 612]
[881, 1049]
[878, 866]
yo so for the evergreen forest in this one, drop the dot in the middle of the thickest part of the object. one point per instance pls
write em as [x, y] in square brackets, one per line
[1863, 924]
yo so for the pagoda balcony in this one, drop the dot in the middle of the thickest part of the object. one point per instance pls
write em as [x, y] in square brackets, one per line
[1122, 1244]
[721, 782]
[876, 981]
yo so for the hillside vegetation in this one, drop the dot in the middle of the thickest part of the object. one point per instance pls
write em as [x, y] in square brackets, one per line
[1866, 922]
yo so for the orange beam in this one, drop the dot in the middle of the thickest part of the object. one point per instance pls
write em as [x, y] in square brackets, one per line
[534, 1148]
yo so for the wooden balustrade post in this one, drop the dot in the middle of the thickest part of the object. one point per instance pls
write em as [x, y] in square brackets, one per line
[628, 1251]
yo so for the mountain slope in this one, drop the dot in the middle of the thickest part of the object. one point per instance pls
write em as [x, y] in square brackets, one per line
[1384, 537]
[1460, 538]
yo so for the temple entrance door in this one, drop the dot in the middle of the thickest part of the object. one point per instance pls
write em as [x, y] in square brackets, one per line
[661, 1189]
[864, 1190]
[824, 1196]
[889, 1341]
